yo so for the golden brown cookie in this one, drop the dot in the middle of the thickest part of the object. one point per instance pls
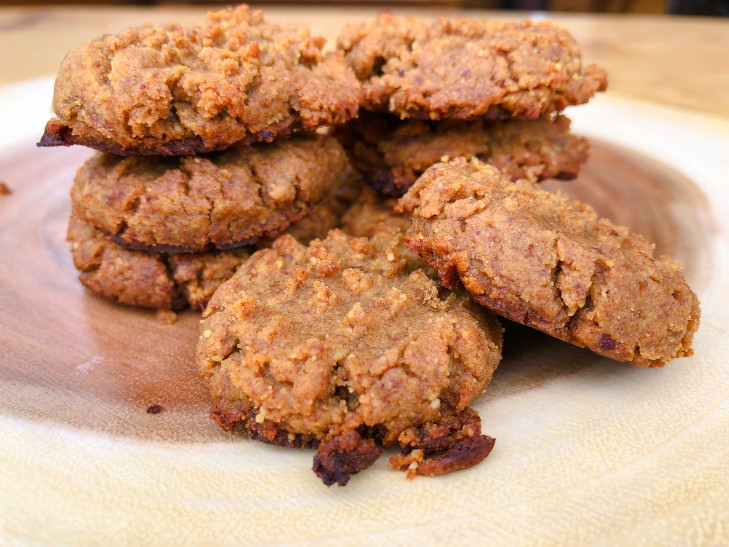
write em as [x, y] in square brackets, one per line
[221, 200]
[340, 344]
[391, 154]
[465, 68]
[179, 280]
[177, 90]
[151, 280]
[549, 263]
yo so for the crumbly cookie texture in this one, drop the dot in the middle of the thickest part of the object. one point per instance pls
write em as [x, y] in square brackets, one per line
[177, 90]
[180, 280]
[343, 346]
[549, 263]
[372, 214]
[464, 68]
[392, 154]
[222, 200]
[152, 280]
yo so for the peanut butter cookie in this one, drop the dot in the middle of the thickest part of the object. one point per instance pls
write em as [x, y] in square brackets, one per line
[177, 90]
[343, 346]
[392, 154]
[151, 280]
[465, 68]
[179, 280]
[222, 200]
[549, 263]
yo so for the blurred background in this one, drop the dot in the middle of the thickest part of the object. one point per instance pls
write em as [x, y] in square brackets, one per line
[678, 7]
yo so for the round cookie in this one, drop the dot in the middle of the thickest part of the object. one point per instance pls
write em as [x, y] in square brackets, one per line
[541, 260]
[391, 154]
[179, 280]
[177, 90]
[222, 200]
[341, 345]
[465, 68]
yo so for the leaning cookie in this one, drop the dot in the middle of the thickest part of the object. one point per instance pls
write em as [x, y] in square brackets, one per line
[552, 264]
[197, 203]
[342, 346]
[464, 68]
[177, 90]
[391, 154]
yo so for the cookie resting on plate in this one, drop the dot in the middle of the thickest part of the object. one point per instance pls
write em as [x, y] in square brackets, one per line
[221, 200]
[539, 259]
[184, 90]
[391, 154]
[341, 345]
[466, 68]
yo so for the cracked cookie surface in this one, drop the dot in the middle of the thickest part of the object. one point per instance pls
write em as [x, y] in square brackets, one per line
[221, 200]
[340, 343]
[391, 154]
[176, 90]
[465, 68]
[541, 260]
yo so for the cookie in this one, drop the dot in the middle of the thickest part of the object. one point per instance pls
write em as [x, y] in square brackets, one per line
[196, 203]
[341, 345]
[326, 215]
[544, 261]
[151, 280]
[178, 280]
[392, 154]
[464, 68]
[371, 214]
[177, 90]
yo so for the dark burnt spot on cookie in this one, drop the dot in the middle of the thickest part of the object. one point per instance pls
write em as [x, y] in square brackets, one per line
[270, 432]
[339, 458]
[452, 443]
[606, 342]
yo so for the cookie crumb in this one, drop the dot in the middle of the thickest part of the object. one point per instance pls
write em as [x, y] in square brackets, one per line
[154, 409]
[4, 189]
[165, 317]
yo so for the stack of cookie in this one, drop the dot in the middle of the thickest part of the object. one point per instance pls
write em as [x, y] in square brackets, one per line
[462, 87]
[195, 164]
[350, 340]
[365, 347]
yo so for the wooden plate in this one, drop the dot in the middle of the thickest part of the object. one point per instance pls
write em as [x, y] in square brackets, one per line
[587, 449]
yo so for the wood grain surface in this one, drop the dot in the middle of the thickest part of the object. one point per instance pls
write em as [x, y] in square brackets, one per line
[588, 450]
[623, 452]
[82, 362]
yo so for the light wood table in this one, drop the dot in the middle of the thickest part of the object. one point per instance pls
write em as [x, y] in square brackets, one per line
[588, 450]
